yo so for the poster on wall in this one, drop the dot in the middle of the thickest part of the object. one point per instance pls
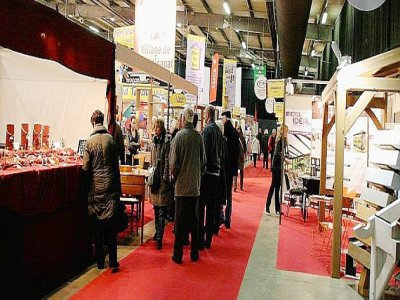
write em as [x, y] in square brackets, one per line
[195, 56]
[229, 83]
[125, 36]
[214, 78]
[155, 24]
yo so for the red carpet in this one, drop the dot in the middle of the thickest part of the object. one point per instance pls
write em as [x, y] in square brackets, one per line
[148, 217]
[150, 274]
[302, 248]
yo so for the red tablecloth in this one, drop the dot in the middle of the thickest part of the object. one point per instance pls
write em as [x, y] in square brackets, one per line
[39, 190]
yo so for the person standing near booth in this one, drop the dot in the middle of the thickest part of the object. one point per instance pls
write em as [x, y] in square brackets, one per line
[101, 169]
[264, 148]
[187, 163]
[133, 139]
[280, 151]
[255, 149]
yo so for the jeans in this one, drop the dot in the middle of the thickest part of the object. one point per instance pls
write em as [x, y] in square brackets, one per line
[186, 216]
[105, 234]
[228, 209]
[241, 179]
[160, 216]
[265, 161]
[275, 186]
[208, 195]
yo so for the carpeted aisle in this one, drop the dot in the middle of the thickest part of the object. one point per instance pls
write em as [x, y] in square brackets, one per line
[150, 274]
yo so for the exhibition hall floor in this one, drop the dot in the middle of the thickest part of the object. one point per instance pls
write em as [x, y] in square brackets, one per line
[241, 263]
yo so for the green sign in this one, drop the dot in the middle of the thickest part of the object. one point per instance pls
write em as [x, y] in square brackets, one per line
[260, 70]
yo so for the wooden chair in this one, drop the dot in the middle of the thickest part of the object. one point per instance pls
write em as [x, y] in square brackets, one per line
[133, 189]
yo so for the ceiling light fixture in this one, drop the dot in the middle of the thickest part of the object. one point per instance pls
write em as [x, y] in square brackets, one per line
[305, 73]
[227, 8]
[112, 19]
[70, 16]
[237, 30]
[179, 25]
[92, 28]
[313, 53]
[253, 65]
[244, 46]
[324, 17]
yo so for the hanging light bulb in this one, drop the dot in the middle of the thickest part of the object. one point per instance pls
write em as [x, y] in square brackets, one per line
[244, 46]
[227, 8]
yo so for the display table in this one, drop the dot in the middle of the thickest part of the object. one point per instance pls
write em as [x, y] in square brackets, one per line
[44, 231]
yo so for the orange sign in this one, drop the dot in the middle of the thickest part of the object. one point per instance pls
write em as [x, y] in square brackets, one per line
[214, 78]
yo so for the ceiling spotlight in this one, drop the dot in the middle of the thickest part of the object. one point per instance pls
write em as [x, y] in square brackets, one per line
[244, 46]
[253, 65]
[227, 8]
[324, 17]
[70, 16]
[92, 28]
[237, 30]
[216, 28]
[305, 73]
[313, 53]
[179, 25]
[112, 19]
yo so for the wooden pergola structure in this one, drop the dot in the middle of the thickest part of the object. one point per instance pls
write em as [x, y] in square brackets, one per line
[357, 86]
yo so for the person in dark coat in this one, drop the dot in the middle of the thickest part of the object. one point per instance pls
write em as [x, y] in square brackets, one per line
[259, 138]
[271, 143]
[232, 137]
[119, 138]
[133, 141]
[101, 168]
[280, 152]
[264, 148]
[242, 158]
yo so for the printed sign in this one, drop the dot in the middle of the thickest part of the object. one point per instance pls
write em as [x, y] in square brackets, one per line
[178, 100]
[269, 105]
[155, 22]
[125, 36]
[276, 88]
[260, 87]
[259, 71]
[278, 110]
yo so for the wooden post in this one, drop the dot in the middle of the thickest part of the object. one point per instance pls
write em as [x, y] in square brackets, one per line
[324, 150]
[340, 112]
[138, 91]
[150, 109]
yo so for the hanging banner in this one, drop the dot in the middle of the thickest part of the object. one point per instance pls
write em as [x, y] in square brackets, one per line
[298, 113]
[229, 83]
[205, 99]
[259, 71]
[129, 92]
[269, 105]
[195, 56]
[238, 91]
[155, 24]
[214, 78]
[125, 36]
[276, 88]
[260, 87]
[278, 110]
[178, 100]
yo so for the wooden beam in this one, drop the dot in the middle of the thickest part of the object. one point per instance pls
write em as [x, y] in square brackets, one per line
[358, 108]
[206, 6]
[259, 41]
[376, 102]
[340, 105]
[250, 7]
[374, 84]
[330, 124]
[324, 150]
[374, 119]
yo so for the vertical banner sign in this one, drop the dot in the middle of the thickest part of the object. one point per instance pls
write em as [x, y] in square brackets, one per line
[278, 110]
[195, 62]
[206, 92]
[229, 83]
[259, 71]
[214, 78]
[155, 22]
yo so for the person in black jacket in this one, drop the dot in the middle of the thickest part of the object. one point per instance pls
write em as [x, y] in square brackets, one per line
[232, 137]
[208, 192]
[133, 141]
[264, 148]
[281, 149]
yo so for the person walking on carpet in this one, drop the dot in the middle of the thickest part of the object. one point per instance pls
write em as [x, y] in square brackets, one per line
[255, 149]
[281, 149]
[187, 163]
[101, 169]
[161, 193]
[264, 148]
[232, 137]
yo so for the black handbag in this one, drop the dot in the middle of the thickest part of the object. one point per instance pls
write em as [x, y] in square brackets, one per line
[121, 220]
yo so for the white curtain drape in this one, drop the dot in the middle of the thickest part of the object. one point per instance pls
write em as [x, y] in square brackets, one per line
[34, 90]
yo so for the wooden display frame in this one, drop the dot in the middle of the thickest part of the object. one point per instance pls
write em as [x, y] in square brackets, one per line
[370, 76]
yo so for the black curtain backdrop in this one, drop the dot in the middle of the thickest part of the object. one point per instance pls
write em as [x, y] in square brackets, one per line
[31, 28]
[363, 34]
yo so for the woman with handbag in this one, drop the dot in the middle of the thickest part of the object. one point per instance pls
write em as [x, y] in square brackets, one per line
[160, 183]
[133, 141]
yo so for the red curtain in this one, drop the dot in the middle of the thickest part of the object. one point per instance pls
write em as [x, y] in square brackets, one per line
[31, 28]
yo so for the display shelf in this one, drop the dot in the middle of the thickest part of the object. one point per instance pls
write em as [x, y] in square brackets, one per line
[387, 139]
[387, 178]
[385, 158]
[376, 197]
